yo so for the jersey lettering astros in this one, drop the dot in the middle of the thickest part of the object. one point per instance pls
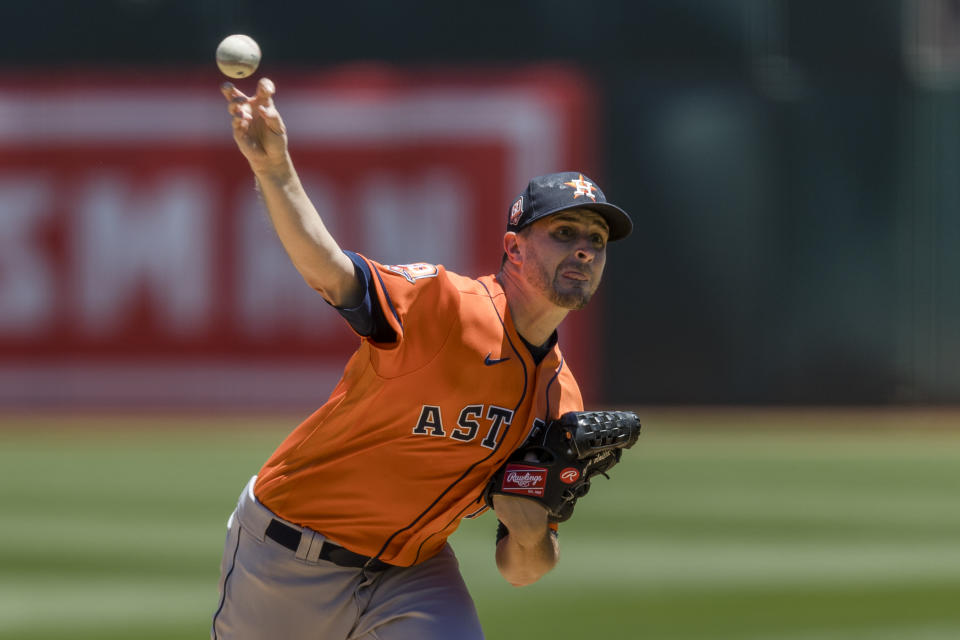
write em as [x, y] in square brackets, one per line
[404, 446]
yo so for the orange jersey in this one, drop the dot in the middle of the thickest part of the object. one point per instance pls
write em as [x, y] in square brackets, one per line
[404, 446]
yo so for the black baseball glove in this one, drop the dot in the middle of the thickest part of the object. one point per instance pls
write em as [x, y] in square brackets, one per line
[555, 464]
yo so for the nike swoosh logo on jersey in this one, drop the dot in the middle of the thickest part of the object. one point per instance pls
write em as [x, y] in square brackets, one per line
[488, 361]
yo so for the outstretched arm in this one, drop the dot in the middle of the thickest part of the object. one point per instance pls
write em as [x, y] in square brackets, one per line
[262, 138]
[529, 550]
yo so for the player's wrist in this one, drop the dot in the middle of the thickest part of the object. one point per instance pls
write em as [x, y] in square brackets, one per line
[526, 520]
[529, 537]
[273, 170]
[523, 564]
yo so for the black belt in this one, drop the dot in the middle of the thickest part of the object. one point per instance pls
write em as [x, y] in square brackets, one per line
[290, 538]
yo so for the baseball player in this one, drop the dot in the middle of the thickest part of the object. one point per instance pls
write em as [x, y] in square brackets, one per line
[343, 532]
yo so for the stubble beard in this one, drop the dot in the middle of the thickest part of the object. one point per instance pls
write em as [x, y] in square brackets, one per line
[554, 289]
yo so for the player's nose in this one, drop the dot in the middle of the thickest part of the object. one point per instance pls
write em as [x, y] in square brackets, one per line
[585, 252]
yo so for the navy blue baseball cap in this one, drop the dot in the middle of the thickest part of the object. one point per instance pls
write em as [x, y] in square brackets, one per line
[556, 192]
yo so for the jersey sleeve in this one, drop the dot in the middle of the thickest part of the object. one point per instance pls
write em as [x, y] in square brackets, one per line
[420, 303]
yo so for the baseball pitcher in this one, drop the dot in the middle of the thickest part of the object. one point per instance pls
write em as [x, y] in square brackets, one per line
[458, 400]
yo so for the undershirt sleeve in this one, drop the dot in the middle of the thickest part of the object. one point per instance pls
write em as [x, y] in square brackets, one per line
[367, 317]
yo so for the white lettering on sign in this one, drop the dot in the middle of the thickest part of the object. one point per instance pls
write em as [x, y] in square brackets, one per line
[272, 298]
[152, 240]
[422, 218]
[119, 241]
[27, 284]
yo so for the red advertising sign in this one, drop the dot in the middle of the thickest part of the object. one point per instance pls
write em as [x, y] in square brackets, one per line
[137, 265]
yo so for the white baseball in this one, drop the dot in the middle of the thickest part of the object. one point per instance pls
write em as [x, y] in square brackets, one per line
[238, 56]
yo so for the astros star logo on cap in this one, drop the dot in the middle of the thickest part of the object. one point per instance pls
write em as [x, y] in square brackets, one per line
[583, 188]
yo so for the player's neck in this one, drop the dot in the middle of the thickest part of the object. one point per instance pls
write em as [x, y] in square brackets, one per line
[534, 316]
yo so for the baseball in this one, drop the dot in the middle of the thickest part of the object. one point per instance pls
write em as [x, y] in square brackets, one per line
[238, 56]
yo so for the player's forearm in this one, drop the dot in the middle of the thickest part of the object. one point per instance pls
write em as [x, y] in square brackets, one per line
[312, 249]
[524, 562]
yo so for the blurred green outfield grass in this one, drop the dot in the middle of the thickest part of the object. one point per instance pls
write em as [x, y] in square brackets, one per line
[719, 524]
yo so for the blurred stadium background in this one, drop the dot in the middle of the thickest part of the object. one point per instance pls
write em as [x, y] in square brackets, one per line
[786, 318]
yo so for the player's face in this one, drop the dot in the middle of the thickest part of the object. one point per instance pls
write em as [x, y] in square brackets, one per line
[565, 255]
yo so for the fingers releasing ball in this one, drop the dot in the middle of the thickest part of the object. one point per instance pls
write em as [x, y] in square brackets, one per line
[238, 56]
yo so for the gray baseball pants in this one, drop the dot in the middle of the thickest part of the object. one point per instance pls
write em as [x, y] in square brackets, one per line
[268, 591]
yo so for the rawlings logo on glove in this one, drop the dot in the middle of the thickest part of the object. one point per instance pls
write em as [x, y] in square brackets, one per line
[524, 480]
[555, 464]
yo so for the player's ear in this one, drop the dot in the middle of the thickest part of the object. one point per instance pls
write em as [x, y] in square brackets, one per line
[511, 247]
